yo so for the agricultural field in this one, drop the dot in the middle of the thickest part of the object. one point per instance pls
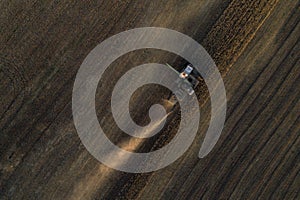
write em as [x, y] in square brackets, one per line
[255, 45]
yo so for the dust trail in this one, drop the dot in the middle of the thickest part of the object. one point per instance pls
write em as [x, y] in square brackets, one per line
[101, 175]
[134, 143]
[152, 130]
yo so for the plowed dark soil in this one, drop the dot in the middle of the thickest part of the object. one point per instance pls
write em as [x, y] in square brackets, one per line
[255, 45]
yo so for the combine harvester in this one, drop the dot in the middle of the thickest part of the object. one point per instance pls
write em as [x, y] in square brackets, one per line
[188, 80]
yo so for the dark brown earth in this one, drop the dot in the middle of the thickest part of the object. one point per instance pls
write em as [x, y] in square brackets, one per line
[255, 45]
